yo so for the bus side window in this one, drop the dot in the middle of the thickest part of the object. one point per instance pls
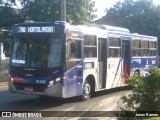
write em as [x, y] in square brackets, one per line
[114, 47]
[68, 49]
[90, 46]
[152, 47]
[136, 52]
[145, 48]
[77, 52]
[136, 45]
[114, 52]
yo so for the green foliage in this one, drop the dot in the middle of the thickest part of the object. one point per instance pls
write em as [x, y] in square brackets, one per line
[43, 10]
[146, 92]
[9, 15]
[4, 35]
[155, 118]
[132, 14]
[140, 16]
[78, 11]
[7, 19]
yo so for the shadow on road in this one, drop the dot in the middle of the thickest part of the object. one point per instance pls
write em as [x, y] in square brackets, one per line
[113, 90]
[24, 102]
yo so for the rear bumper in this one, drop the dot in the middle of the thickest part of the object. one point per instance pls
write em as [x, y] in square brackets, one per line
[54, 91]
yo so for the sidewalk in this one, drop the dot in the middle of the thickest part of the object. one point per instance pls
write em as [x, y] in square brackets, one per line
[4, 72]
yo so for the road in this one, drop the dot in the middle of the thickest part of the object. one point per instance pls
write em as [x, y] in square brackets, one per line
[109, 100]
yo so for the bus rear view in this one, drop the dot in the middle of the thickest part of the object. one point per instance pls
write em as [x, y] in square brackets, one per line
[37, 59]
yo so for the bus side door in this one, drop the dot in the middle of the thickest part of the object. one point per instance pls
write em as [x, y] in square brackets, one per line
[126, 58]
[102, 61]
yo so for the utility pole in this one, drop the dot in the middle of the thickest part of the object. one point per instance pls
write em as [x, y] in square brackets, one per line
[63, 10]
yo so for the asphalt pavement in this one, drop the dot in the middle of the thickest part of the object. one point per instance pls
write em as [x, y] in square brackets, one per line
[4, 72]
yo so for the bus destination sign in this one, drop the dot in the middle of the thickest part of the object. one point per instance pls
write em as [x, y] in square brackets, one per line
[40, 29]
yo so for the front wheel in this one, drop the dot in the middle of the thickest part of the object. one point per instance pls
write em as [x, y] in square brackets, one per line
[86, 94]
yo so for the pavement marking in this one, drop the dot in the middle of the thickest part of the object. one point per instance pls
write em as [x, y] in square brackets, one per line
[3, 84]
[3, 87]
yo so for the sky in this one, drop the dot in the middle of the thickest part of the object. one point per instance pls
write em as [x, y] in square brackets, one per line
[101, 6]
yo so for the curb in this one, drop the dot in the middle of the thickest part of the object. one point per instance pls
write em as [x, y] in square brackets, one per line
[3, 84]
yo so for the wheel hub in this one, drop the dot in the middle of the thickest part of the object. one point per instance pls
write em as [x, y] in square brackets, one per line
[87, 89]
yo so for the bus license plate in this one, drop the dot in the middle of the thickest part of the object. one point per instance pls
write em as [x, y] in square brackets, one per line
[28, 89]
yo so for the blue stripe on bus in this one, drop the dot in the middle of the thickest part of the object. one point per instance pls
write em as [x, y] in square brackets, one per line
[141, 62]
[73, 81]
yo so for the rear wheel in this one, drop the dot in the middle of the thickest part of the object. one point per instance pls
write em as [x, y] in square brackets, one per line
[136, 73]
[87, 90]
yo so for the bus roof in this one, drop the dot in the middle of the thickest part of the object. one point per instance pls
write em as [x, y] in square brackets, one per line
[92, 29]
[116, 29]
[41, 23]
[109, 28]
[143, 37]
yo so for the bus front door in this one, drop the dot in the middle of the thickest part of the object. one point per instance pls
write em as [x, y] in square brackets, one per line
[126, 58]
[102, 62]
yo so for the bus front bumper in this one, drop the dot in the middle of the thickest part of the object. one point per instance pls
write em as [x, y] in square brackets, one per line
[54, 91]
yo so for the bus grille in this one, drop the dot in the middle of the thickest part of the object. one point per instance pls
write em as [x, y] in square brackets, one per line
[35, 88]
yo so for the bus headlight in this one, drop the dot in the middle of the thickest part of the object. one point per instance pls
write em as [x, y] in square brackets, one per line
[52, 82]
[57, 79]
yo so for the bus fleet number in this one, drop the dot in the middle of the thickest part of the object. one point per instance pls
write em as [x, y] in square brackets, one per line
[22, 29]
[40, 81]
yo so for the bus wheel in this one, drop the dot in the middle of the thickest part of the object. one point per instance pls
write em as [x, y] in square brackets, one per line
[86, 94]
[136, 72]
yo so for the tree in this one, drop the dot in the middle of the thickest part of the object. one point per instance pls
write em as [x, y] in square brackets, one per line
[43, 10]
[145, 93]
[138, 16]
[80, 11]
[9, 15]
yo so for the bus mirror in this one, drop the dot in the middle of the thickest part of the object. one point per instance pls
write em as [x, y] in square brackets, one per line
[73, 47]
[7, 46]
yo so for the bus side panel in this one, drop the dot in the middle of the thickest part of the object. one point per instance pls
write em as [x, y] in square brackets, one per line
[114, 73]
[73, 80]
[150, 61]
[90, 69]
[143, 64]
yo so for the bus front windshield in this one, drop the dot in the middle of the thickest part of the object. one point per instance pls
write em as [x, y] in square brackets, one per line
[41, 52]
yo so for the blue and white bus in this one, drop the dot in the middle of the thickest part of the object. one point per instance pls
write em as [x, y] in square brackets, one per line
[61, 60]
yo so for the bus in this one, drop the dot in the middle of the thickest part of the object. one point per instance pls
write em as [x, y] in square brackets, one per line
[62, 60]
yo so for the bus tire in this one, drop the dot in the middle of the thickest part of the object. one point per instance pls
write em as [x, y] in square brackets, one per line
[87, 91]
[136, 72]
